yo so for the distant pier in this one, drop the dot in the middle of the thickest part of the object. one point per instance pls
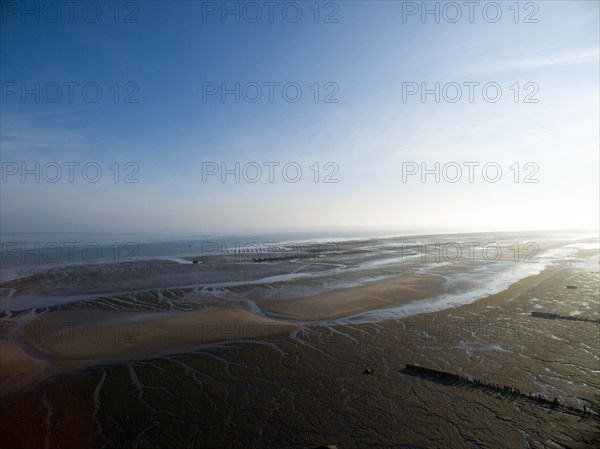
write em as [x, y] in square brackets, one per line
[503, 391]
[556, 316]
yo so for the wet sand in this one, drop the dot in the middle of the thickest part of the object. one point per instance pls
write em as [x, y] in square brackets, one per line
[65, 340]
[350, 301]
[62, 340]
[304, 386]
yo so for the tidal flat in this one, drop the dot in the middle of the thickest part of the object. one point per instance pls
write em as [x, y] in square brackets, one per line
[308, 348]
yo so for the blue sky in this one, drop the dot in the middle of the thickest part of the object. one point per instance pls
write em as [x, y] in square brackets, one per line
[171, 50]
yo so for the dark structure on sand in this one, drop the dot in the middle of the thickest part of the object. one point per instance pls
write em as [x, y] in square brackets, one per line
[502, 391]
[556, 316]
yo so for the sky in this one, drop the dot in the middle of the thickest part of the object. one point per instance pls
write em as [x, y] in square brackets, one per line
[158, 115]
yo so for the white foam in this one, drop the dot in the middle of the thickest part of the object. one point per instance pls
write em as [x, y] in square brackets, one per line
[500, 283]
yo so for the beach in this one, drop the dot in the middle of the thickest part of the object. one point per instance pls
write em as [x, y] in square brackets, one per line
[251, 365]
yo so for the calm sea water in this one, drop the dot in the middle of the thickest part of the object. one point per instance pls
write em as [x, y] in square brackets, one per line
[56, 249]
[26, 250]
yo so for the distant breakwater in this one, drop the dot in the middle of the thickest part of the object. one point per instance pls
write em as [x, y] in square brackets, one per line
[503, 391]
[556, 316]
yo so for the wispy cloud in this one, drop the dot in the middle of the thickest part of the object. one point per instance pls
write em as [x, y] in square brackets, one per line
[551, 60]
[23, 136]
